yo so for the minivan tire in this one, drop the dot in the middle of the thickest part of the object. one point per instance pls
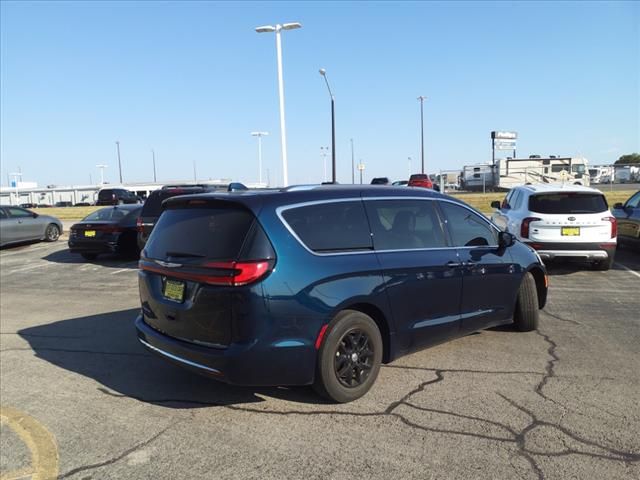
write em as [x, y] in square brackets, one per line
[338, 354]
[52, 233]
[527, 312]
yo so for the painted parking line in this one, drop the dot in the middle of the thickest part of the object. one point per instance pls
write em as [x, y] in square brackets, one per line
[30, 267]
[632, 272]
[121, 271]
[40, 442]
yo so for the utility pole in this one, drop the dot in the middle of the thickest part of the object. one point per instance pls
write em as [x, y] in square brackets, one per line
[154, 165]
[119, 163]
[194, 171]
[422, 99]
[353, 173]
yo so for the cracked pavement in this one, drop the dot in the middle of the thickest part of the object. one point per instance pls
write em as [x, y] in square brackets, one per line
[561, 402]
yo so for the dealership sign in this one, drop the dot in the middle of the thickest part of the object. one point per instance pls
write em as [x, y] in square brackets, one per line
[504, 135]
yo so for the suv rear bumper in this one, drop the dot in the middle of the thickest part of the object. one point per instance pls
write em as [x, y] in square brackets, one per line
[585, 251]
[256, 363]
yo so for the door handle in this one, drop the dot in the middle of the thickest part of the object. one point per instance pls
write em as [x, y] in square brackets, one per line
[469, 264]
[454, 264]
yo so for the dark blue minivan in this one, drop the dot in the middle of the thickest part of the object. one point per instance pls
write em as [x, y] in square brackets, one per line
[320, 285]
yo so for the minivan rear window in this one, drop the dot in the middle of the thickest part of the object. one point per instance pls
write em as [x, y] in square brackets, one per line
[214, 233]
[568, 202]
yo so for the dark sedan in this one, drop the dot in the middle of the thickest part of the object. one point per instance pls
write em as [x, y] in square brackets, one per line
[108, 230]
[20, 225]
[628, 216]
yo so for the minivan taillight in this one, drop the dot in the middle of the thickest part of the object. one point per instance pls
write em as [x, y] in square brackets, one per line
[243, 272]
[230, 274]
[524, 226]
[614, 225]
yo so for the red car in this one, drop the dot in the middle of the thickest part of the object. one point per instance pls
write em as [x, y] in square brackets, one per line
[420, 180]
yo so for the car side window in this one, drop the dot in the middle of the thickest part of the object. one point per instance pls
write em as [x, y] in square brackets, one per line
[516, 200]
[331, 227]
[506, 202]
[18, 212]
[3, 214]
[467, 228]
[634, 201]
[404, 224]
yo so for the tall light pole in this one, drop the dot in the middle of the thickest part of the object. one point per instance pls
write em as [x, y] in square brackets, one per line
[410, 168]
[119, 163]
[323, 72]
[353, 173]
[153, 155]
[260, 135]
[323, 153]
[102, 167]
[422, 99]
[283, 136]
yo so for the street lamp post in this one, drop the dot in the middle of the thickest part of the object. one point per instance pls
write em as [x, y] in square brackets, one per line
[323, 154]
[102, 167]
[410, 168]
[260, 135]
[323, 72]
[353, 172]
[119, 163]
[153, 154]
[283, 136]
[422, 99]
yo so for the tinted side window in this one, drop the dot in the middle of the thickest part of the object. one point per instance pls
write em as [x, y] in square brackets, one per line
[331, 227]
[18, 212]
[467, 229]
[2, 213]
[404, 224]
[634, 201]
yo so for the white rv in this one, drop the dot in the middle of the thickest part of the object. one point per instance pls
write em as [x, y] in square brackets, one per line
[511, 172]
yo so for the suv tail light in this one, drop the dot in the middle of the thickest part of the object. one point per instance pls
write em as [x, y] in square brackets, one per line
[614, 225]
[139, 227]
[524, 227]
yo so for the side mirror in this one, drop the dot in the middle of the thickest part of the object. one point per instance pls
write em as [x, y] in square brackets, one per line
[618, 205]
[506, 239]
[495, 204]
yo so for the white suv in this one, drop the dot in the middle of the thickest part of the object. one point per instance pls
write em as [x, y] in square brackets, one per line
[560, 221]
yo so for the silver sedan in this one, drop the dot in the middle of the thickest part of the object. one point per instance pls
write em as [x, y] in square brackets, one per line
[21, 225]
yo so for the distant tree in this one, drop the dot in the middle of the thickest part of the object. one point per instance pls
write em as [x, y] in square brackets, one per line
[629, 158]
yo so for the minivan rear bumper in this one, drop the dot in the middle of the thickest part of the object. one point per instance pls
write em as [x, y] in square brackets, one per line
[585, 251]
[285, 362]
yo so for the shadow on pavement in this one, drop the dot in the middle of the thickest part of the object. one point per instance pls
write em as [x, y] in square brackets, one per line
[106, 260]
[105, 348]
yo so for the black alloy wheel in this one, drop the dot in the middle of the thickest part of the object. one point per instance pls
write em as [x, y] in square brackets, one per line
[349, 357]
[354, 359]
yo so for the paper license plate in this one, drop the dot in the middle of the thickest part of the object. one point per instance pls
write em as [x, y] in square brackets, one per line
[174, 290]
[89, 233]
[570, 231]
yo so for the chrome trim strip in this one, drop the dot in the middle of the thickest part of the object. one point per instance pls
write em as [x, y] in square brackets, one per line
[179, 359]
[284, 208]
[573, 253]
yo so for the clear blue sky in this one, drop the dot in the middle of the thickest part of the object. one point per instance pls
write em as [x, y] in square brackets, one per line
[192, 80]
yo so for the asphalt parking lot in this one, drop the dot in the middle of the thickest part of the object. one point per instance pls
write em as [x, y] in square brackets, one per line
[82, 399]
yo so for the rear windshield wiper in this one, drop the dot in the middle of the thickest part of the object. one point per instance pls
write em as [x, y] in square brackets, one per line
[184, 255]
